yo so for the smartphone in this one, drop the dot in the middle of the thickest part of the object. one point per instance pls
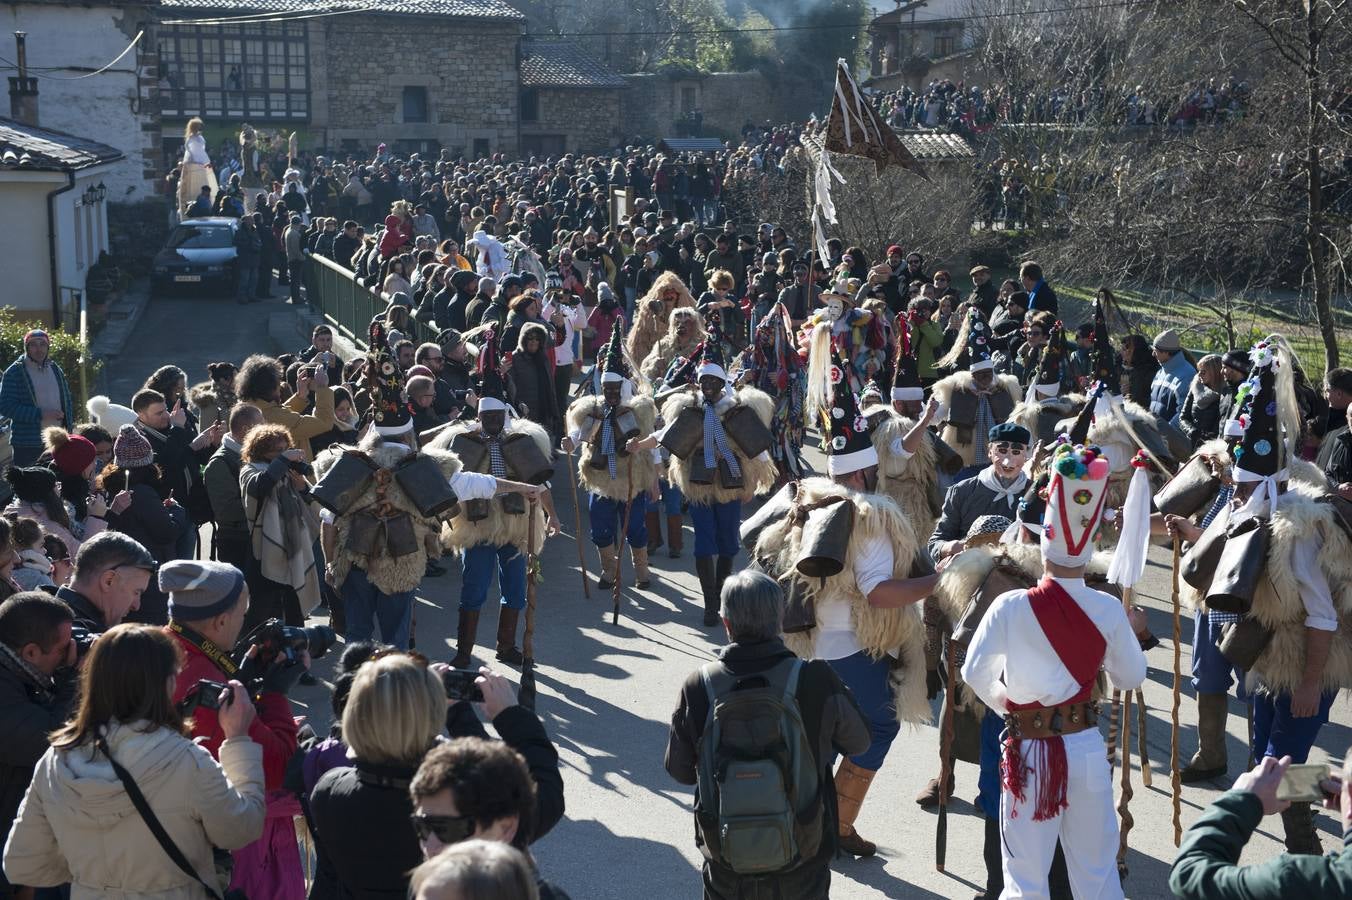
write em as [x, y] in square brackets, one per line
[459, 684]
[1300, 783]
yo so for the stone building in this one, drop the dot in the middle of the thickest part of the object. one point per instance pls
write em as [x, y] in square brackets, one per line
[917, 42]
[570, 102]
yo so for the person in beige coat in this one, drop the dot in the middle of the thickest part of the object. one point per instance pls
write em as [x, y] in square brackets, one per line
[77, 824]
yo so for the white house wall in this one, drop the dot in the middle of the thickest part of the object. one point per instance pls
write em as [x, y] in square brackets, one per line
[100, 107]
[25, 277]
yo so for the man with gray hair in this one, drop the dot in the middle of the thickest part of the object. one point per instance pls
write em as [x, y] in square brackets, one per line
[753, 614]
[112, 570]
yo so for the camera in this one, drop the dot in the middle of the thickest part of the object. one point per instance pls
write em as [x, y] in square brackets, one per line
[301, 466]
[459, 684]
[206, 694]
[83, 639]
[274, 639]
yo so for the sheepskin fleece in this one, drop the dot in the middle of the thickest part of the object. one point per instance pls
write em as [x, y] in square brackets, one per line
[879, 630]
[1277, 602]
[945, 388]
[911, 482]
[758, 475]
[389, 575]
[499, 529]
[650, 327]
[670, 347]
[204, 396]
[598, 481]
[1030, 415]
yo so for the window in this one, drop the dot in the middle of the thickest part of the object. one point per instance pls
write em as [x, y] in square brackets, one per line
[415, 104]
[254, 70]
[944, 45]
[530, 105]
[480, 148]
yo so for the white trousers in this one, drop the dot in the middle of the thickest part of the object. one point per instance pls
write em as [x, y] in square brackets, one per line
[1087, 827]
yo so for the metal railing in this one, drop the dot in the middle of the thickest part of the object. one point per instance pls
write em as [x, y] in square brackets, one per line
[347, 305]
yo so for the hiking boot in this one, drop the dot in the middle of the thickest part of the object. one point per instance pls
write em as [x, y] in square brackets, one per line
[708, 584]
[606, 580]
[507, 651]
[652, 521]
[1301, 837]
[642, 580]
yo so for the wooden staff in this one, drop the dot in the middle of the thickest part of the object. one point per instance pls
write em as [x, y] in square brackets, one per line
[1112, 730]
[1124, 804]
[1141, 749]
[1177, 784]
[945, 761]
[526, 696]
[619, 541]
[577, 526]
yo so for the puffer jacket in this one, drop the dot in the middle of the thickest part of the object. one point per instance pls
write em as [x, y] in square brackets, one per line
[1200, 418]
[77, 824]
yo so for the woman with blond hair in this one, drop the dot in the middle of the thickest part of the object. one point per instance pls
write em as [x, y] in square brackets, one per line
[364, 835]
[652, 313]
[473, 869]
[197, 171]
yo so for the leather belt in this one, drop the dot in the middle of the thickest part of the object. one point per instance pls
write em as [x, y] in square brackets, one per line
[1052, 721]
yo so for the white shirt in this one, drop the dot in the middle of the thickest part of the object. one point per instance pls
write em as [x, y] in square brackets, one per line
[1011, 659]
[835, 637]
[492, 257]
[467, 485]
[195, 150]
[574, 320]
[1315, 593]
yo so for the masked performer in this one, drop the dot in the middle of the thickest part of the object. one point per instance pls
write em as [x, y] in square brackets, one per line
[771, 364]
[855, 335]
[977, 400]
[652, 315]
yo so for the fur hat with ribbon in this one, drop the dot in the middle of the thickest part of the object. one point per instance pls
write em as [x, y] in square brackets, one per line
[385, 386]
[905, 368]
[493, 390]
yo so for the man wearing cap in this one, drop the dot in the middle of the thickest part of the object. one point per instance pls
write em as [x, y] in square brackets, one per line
[111, 573]
[207, 604]
[424, 224]
[995, 490]
[33, 395]
[984, 294]
[1170, 386]
[1034, 659]
[864, 620]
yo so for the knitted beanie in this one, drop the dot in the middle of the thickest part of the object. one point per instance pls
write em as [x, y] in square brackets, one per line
[131, 450]
[200, 588]
[71, 453]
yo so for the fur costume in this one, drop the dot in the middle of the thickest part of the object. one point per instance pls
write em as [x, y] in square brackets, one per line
[912, 482]
[389, 575]
[946, 388]
[1277, 603]
[651, 326]
[967, 572]
[668, 349]
[758, 475]
[598, 481]
[459, 533]
[205, 397]
[878, 630]
[1042, 417]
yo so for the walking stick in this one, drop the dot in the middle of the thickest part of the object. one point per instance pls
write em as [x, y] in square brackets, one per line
[1176, 783]
[1142, 750]
[945, 762]
[1124, 804]
[526, 696]
[577, 526]
[619, 542]
[1112, 730]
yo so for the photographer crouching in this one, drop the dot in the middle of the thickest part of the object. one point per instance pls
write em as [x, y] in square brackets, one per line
[208, 604]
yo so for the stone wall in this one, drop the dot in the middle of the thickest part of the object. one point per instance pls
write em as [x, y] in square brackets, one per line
[588, 119]
[114, 107]
[729, 100]
[360, 65]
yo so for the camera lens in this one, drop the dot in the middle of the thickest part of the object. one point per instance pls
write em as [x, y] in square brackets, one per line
[321, 638]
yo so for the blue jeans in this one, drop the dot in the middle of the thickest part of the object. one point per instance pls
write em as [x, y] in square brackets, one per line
[867, 679]
[366, 606]
[1277, 733]
[988, 781]
[479, 563]
[248, 280]
[607, 515]
[672, 498]
[1211, 672]
[716, 528]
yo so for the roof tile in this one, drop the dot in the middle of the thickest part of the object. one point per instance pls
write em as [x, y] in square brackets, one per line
[560, 64]
[50, 150]
[463, 9]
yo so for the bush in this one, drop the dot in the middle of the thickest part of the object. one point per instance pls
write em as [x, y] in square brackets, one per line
[66, 348]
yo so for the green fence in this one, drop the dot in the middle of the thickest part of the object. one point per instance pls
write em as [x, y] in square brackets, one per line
[347, 305]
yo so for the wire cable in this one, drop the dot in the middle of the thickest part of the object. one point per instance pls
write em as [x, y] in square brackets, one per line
[99, 71]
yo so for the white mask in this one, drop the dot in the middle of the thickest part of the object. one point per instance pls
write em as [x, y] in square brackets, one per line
[834, 309]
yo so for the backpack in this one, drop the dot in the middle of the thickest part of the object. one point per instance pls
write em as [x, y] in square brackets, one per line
[758, 805]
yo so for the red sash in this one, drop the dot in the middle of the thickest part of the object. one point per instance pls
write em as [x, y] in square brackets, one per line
[1080, 646]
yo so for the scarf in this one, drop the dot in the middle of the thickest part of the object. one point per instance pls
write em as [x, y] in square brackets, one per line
[1010, 495]
[282, 529]
[981, 428]
[11, 661]
[496, 465]
[716, 442]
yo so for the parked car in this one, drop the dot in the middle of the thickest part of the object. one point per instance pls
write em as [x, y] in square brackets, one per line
[198, 257]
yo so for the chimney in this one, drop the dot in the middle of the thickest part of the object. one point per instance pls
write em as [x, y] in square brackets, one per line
[23, 88]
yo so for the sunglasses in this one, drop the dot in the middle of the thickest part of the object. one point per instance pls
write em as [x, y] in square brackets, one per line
[1011, 449]
[448, 829]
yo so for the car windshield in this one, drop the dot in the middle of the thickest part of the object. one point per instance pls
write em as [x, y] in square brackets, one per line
[200, 237]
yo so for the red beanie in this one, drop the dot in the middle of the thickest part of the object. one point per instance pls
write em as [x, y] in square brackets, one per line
[71, 453]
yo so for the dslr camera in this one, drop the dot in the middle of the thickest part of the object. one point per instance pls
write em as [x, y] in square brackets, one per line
[275, 639]
[84, 639]
[206, 694]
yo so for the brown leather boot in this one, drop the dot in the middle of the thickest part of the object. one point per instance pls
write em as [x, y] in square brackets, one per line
[675, 538]
[928, 798]
[465, 633]
[852, 784]
[706, 568]
[641, 577]
[652, 520]
[1301, 836]
[507, 652]
[606, 580]
[1209, 760]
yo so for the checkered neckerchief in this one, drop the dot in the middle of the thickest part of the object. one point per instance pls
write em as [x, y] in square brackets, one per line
[608, 441]
[1217, 617]
[716, 442]
[495, 462]
[985, 421]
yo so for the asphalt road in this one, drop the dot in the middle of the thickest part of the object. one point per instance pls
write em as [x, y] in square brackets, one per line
[606, 694]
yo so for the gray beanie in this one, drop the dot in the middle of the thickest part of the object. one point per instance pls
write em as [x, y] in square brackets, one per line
[199, 588]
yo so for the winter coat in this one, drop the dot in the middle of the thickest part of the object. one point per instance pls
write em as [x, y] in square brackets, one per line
[147, 520]
[532, 379]
[1200, 418]
[365, 842]
[28, 713]
[77, 825]
[17, 401]
[222, 481]
[291, 416]
[181, 466]
[397, 233]
[1169, 388]
[38, 511]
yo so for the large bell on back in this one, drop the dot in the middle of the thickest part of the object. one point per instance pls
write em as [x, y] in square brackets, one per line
[826, 540]
[525, 460]
[421, 480]
[747, 431]
[344, 482]
[1191, 489]
[772, 511]
[686, 433]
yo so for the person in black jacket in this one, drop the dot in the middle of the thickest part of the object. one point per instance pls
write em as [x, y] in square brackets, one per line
[510, 790]
[248, 250]
[1139, 366]
[112, 571]
[37, 690]
[753, 613]
[180, 457]
[1200, 417]
[345, 245]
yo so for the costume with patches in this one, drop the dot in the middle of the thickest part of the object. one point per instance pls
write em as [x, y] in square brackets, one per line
[492, 535]
[712, 465]
[856, 335]
[772, 365]
[968, 412]
[1035, 659]
[604, 466]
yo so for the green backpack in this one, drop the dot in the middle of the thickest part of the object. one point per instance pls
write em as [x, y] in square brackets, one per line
[758, 808]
